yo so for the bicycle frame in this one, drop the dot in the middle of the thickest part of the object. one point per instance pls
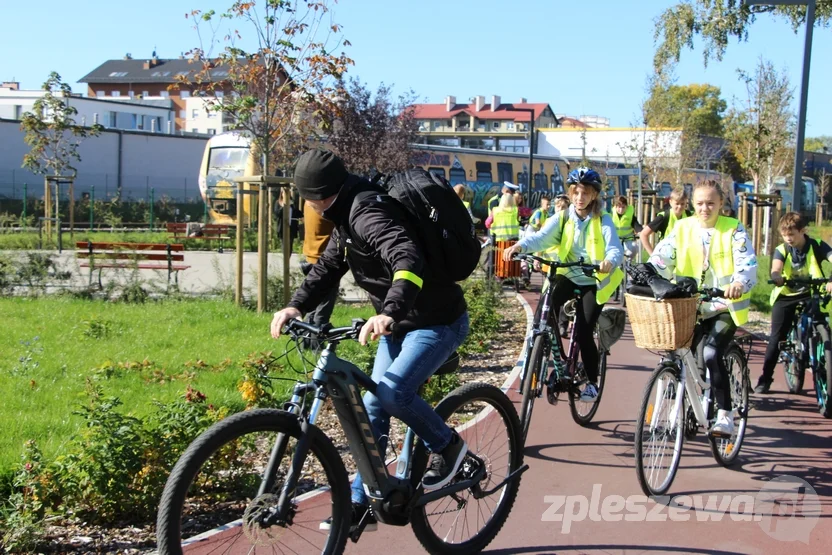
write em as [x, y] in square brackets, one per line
[685, 360]
[341, 381]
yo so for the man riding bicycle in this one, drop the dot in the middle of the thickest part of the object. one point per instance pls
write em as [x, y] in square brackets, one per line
[581, 231]
[374, 238]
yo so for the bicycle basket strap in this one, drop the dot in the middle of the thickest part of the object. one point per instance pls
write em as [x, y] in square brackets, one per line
[611, 326]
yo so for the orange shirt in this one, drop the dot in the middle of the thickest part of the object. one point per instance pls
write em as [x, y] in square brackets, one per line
[316, 232]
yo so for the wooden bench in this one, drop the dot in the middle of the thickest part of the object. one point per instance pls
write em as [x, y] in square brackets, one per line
[208, 232]
[141, 256]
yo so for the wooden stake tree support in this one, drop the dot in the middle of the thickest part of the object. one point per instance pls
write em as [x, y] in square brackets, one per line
[759, 203]
[261, 185]
[56, 181]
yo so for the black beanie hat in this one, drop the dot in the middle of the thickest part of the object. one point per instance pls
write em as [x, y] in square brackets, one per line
[319, 174]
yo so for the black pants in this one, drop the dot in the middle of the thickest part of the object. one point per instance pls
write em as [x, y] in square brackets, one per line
[782, 317]
[710, 340]
[586, 316]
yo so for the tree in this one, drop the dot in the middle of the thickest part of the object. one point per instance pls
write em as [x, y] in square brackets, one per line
[696, 109]
[373, 133]
[280, 89]
[817, 144]
[760, 129]
[717, 21]
[51, 132]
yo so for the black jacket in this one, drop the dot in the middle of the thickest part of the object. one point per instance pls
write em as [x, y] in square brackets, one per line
[375, 238]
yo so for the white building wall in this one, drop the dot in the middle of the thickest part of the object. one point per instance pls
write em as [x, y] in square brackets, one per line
[621, 145]
[199, 119]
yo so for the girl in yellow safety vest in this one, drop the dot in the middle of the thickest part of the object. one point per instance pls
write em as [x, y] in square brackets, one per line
[715, 251]
[581, 231]
[798, 256]
[505, 225]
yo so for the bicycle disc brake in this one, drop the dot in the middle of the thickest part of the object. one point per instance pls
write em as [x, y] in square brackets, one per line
[257, 517]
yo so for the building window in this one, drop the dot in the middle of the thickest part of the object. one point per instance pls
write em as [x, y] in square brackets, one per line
[438, 171]
[443, 141]
[194, 130]
[484, 172]
[183, 114]
[184, 94]
[212, 131]
[457, 175]
[510, 125]
[115, 93]
[504, 171]
[100, 94]
[145, 94]
[164, 94]
[135, 122]
[219, 94]
[211, 113]
[112, 119]
[495, 124]
[18, 111]
[194, 113]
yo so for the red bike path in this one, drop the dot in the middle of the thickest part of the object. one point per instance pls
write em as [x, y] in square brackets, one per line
[786, 436]
[709, 511]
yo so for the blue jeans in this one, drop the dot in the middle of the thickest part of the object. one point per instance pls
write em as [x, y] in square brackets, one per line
[401, 367]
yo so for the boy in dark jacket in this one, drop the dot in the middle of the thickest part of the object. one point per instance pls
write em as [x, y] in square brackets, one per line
[374, 238]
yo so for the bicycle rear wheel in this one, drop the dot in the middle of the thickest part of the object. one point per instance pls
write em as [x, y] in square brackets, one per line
[582, 411]
[467, 521]
[659, 431]
[726, 449]
[211, 497]
[822, 371]
[533, 381]
[793, 368]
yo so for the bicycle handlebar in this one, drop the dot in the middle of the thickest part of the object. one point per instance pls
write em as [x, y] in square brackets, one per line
[811, 282]
[711, 293]
[579, 264]
[326, 332]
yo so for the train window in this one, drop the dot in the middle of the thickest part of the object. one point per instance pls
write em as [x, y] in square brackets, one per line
[503, 172]
[522, 178]
[438, 171]
[557, 185]
[484, 172]
[457, 175]
[540, 182]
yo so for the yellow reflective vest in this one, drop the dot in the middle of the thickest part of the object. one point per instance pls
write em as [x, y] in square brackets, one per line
[624, 222]
[596, 248]
[690, 259]
[812, 263]
[505, 225]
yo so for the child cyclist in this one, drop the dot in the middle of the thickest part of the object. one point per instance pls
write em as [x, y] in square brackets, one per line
[581, 231]
[798, 256]
[716, 252]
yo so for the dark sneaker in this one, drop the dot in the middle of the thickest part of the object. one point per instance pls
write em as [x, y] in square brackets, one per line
[762, 386]
[443, 466]
[358, 511]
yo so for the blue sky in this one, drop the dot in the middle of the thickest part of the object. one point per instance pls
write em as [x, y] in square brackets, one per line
[589, 57]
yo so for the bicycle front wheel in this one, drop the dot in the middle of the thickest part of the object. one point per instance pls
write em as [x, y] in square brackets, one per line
[212, 497]
[726, 449]
[823, 371]
[533, 381]
[467, 521]
[584, 411]
[659, 431]
[793, 369]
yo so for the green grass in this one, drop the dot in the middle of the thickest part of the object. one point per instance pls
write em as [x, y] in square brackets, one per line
[76, 336]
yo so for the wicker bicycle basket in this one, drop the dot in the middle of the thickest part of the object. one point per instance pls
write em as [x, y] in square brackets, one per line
[661, 325]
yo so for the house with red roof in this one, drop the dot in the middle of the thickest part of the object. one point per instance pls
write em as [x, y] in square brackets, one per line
[493, 126]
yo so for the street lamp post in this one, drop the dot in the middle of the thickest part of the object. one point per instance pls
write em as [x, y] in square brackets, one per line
[797, 183]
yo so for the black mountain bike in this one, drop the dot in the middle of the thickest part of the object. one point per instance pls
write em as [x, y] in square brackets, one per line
[263, 480]
[568, 375]
[808, 344]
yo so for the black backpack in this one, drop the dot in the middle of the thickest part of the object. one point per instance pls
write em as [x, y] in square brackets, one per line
[445, 227]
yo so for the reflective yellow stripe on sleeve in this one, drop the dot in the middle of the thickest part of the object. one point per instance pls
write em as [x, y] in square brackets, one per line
[409, 276]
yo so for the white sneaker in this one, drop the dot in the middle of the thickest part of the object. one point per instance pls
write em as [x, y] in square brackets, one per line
[590, 393]
[724, 425]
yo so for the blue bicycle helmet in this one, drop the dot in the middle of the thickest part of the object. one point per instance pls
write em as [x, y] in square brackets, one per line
[585, 176]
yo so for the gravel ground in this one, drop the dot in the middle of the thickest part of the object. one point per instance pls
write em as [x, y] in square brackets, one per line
[74, 536]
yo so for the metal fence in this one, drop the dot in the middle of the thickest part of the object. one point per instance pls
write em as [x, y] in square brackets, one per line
[14, 184]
